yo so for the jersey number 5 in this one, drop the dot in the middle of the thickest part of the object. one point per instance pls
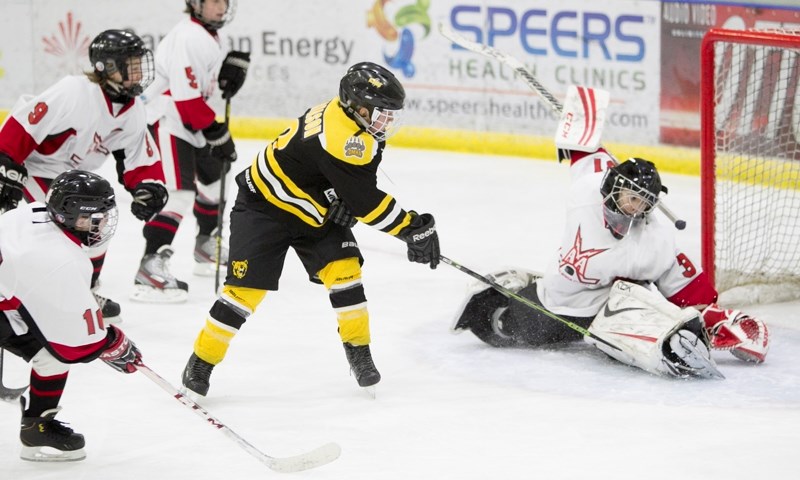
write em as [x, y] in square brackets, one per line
[89, 318]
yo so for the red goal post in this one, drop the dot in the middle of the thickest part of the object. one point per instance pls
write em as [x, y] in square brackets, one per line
[750, 163]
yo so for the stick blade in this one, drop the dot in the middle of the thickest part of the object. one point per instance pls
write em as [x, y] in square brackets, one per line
[305, 461]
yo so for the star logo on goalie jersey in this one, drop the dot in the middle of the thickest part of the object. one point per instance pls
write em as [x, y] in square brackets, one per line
[573, 265]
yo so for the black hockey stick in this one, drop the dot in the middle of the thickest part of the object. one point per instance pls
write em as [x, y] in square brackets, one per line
[508, 293]
[221, 211]
[537, 87]
[304, 461]
[6, 393]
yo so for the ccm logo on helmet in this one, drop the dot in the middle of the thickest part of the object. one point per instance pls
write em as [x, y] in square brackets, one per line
[422, 236]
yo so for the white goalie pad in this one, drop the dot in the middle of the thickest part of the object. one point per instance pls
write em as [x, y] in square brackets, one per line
[582, 119]
[514, 279]
[639, 321]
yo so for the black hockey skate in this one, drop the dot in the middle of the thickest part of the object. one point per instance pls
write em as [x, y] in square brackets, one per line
[45, 439]
[361, 364]
[110, 309]
[197, 375]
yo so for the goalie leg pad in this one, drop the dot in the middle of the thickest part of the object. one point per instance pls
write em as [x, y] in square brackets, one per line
[652, 333]
[480, 302]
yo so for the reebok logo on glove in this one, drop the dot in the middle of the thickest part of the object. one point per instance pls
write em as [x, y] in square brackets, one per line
[422, 236]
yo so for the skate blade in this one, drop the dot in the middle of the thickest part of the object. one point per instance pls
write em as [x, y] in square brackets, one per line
[49, 454]
[148, 294]
[371, 391]
[191, 394]
[701, 366]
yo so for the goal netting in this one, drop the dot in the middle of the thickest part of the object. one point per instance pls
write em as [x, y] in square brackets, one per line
[750, 147]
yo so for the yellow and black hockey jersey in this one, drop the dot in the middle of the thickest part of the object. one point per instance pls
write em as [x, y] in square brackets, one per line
[326, 149]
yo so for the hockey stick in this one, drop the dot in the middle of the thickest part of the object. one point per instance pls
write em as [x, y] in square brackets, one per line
[221, 211]
[6, 393]
[537, 87]
[315, 458]
[508, 293]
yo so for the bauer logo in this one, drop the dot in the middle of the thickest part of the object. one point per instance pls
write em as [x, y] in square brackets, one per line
[548, 32]
[354, 147]
[400, 27]
[239, 268]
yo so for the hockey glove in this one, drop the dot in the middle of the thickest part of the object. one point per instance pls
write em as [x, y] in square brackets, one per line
[746, 337]
[12, 182]
[122, 353]
[339, 214]
[422, 240]
[148, 199]
[219, 140]
[233, 72]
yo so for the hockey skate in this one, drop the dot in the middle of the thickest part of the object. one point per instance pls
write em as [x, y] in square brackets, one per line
[205, 255]
[690, 357]
[45, 439]
[362, 367]
[109, 308]
[196, 376]
[155, 284]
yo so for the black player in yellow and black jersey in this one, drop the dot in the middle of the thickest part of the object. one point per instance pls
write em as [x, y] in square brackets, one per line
[302, 191]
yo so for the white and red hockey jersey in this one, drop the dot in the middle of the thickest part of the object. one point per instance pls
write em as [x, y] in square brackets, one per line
[44, 284]
[74, 125]
[590, 259]
[187, 62]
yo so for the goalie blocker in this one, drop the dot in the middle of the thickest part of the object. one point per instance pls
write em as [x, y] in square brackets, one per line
[648, 331]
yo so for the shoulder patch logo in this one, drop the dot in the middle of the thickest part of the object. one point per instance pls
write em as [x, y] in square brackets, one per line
[239, 268]
[354, 147]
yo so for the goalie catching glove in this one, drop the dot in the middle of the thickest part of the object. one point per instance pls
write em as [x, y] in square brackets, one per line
[745, 337]
[233, 72]
[148, 199]
[12, 182]
[422, 239]
[122, 353]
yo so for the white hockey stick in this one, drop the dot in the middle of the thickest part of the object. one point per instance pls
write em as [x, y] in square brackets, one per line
[534, 84]
[315, 458]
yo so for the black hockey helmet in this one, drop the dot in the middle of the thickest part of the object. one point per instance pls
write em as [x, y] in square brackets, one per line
[630, 192]
[372, 86]
[122, 51]
[83, 204]
[195, 8]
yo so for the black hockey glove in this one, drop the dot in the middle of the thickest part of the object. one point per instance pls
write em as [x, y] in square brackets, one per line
[422, 240]
[339, 214]
[233, 72]
[148, 199]
[219, 139]
[122, 353]
[12, 182]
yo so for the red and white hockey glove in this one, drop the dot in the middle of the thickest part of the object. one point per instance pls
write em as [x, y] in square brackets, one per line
[122, 354]
[746, 337]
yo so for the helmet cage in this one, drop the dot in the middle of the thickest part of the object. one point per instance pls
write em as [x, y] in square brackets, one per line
[84, 205]
[383, 123]
[371, 86]
[196, 7]
[117, 51]
[625, 204]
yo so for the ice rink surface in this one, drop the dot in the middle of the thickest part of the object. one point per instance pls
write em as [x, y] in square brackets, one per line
[449, 406]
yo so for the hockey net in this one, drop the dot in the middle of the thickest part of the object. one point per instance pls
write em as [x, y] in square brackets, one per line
[750, 171]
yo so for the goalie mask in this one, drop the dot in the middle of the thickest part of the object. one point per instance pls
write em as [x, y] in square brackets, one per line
[83, 204]
[371, 86]
[630, 192]
[123, 64]
[213, 14]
